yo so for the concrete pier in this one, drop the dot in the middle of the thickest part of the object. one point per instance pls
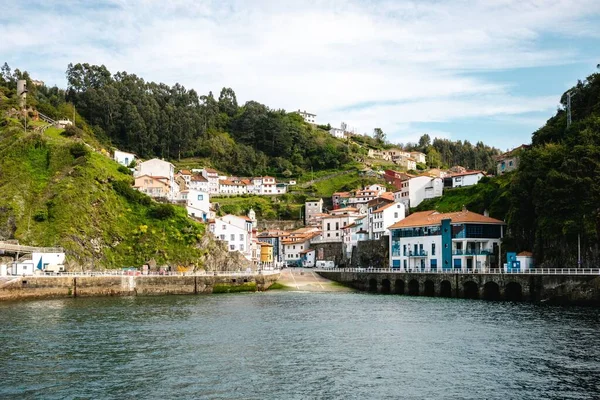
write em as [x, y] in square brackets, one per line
[580, 288]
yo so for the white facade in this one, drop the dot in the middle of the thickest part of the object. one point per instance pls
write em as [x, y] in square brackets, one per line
[235, 231]
[308, 258]
[332, 226]
[160, 168]
[308, 117]
[232, 187]
[124, 158]
[200, 183]
[293, 249]
[337, 132]
[384, 217]
[212, 178]
[417, 189]
[466, 179]
[429, 240]
[198, 204]
[418, 157]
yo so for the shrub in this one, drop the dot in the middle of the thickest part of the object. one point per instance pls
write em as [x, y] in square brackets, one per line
[40, 215]
[162, 211]
[130, 194]
[124, 170]
[72, 130]
[79, 150]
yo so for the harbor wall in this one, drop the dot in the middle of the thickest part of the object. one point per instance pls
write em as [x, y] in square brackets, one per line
[33, 287]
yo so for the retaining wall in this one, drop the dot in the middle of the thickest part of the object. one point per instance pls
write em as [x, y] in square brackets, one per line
[87, 286]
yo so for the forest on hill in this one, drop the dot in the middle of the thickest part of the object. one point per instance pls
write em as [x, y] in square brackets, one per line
[555, 195]
[552, 202]
[156, 120]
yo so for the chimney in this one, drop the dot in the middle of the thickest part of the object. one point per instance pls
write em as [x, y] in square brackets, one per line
[464, 208]
[486, 213]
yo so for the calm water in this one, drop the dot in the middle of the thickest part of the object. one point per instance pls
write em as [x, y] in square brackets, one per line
[289, 345]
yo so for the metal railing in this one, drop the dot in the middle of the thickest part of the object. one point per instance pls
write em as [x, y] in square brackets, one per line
[533, 271]
[8, 246]
[471, 252]
[164, 273]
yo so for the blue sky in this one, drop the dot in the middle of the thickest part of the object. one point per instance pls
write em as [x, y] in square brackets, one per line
[490, 71]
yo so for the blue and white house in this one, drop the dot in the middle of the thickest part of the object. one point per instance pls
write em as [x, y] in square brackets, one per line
[432, 241]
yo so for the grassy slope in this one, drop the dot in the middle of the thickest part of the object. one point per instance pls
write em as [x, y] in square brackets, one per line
[489, 194]
[53, 199]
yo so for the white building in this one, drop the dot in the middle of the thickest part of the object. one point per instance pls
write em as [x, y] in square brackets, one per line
[212, 177]
[39, 262]
[383, 217]
[235, 231]
[199, 183]
[467, 178]
[308, 117]
[354, 233]
[337, 132]
[418, 157]
[233, 187]
[430, 241]
[308, 258]
[198, 205]
[124, 158]
[160, 168]
[418, 188]
[332, 225]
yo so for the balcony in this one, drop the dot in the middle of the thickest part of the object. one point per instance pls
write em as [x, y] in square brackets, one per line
[471, 252]
[418, 253]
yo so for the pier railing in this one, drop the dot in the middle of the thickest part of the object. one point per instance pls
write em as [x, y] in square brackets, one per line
[533, 271]
[165, 273]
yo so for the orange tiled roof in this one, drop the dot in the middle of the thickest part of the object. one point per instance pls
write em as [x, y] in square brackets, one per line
[525, 254]
[427, 218]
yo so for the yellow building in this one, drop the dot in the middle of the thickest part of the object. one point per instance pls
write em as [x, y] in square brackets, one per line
[266, 252]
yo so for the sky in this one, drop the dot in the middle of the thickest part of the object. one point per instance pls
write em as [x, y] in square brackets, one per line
[490, 71]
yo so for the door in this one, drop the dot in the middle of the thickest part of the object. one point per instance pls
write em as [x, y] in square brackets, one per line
[469, 263]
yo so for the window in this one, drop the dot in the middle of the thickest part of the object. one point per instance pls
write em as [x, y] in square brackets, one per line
[231, 247]
[337, 226]
[328, 227]
[200, 197]
[241, 237]
[404, 249]
[241, 247]
[222, 237]
[232, 237]
[433, 249]
[395, 215]
[224, 227]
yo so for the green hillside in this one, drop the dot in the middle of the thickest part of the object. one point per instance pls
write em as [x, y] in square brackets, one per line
[490, 194]
[58, 190]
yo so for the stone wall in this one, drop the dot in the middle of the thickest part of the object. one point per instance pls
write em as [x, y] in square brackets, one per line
[371, 253]
[286, 225]
[330, 252]
[87, 286]
[550, 289]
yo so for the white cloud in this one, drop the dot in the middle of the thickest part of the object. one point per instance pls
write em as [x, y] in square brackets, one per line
[406, 62]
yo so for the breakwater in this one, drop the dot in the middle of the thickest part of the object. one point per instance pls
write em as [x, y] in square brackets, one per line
[32, 287]
[554, 286]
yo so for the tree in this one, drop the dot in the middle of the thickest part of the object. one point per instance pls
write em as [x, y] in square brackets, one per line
[424, 142]
[379, 135]
[434, 158]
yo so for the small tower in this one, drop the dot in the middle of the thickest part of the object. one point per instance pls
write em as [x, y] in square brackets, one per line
[252, 216]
